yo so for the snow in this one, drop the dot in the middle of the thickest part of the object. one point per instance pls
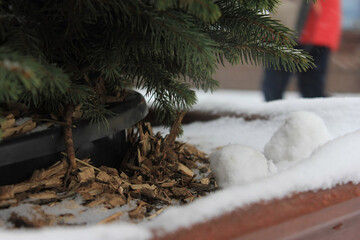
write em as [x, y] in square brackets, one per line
[296, 139]
[301, 133]
[237, 164]
[331, 161]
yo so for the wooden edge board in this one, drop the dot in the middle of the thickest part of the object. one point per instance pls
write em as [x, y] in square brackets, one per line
[330, 211]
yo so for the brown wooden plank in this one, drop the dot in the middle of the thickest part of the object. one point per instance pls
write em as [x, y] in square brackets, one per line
[341, 221]
[332, 208]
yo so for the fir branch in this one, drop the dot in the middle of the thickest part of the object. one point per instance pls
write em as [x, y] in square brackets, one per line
[169, 94]
[245, 36]
[97, 113]
[264, 5]
[249, 25]
[22, 74]
[205, 10]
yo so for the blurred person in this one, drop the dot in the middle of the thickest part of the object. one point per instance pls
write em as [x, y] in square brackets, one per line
[319, 29]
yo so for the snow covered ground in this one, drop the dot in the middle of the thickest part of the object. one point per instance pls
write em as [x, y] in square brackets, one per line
[334, 160]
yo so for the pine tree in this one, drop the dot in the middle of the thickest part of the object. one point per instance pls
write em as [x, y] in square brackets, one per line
[55, 55]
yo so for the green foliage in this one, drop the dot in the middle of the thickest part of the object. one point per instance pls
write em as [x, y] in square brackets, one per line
[244, 35]
[57, 52]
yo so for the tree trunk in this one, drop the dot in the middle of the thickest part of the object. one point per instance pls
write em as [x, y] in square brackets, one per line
[69, 143]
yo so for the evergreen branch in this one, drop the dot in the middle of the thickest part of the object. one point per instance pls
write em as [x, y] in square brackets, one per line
[265, 5]
[205, 10]
[169, 94]
[269, 55]
[265, 41]
[20, 74]
[176, 37]
[238, 21]
[97, 113]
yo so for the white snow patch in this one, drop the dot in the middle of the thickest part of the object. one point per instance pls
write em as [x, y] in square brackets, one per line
[237, 164]
[301, 133]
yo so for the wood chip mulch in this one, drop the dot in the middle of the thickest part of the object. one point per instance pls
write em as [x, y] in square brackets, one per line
[158, 175]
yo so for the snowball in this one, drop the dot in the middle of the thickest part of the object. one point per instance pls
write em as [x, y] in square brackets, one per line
[297, 138]
[237, 164]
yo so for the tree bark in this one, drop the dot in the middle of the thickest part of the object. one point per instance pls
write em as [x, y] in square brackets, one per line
[69, 143]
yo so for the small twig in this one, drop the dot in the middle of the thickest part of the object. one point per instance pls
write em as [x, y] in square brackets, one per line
[87, 164]
[46, 201]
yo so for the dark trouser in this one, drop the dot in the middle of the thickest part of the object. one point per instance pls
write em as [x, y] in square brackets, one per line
[311, 83]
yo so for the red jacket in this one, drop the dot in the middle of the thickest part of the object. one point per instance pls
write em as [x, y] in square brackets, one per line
[323, 25]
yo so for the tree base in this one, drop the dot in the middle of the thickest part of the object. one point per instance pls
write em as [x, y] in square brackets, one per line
[155, 181]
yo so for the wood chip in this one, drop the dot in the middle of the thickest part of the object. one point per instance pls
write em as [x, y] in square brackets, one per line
[117, 180]
[96, 202]
[123, 175]
[205, 181]
[7, 203]
[148, 193]
[139, 156]
[138, 213]
[27, 126]
[145, 145]
[145, 167]
[157, 213]
[189, 199]
[71, 204]
[8, 132]
[65, 217]
[86, 175]
[7, 192]
[44, 195]
[52, 183]
[94, 191]
[110, 171]
[87, 196]
[185, 170]
[116, 201]
[190, 149]
[103, 177]
[112, 218]
[120, 190]
[140, 186]
[25, 186]
[168, 184]
[181, 192]
[57, 169]
[8, 123]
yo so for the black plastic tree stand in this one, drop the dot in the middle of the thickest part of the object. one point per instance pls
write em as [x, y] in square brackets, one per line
[21, 155]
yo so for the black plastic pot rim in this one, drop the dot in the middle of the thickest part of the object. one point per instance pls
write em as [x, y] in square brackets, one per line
[37, 144]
